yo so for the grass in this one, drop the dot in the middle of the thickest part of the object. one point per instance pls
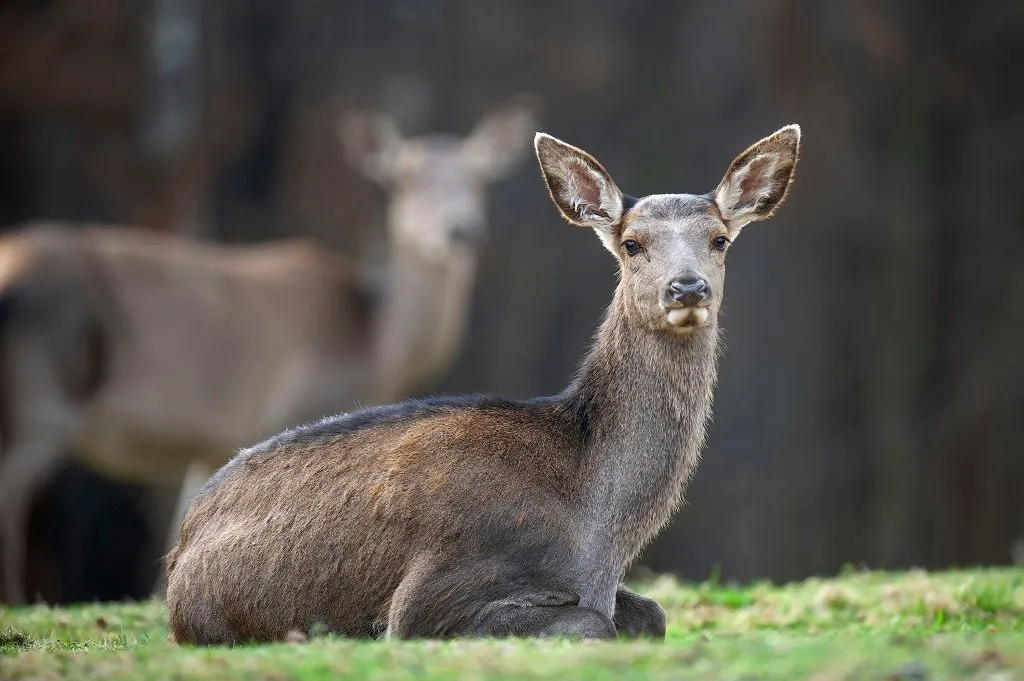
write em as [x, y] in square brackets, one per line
[862, 625]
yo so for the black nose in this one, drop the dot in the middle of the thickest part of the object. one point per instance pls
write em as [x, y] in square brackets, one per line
[689, 290]
[473, 234]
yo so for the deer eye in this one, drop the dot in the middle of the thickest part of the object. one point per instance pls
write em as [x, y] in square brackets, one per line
[720, 243]
[632, 247]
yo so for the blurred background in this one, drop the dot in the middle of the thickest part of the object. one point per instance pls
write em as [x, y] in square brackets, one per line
[870, 407]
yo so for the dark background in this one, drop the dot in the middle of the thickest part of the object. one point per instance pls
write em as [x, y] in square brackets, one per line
[870, 407]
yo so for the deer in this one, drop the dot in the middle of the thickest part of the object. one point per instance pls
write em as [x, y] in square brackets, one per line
[484, 516]
[145, 355]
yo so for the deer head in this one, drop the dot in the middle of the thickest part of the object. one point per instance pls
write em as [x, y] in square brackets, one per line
[437, 183]
[671, 247]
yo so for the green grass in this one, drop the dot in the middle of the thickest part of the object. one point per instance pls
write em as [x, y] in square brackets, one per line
[914, 625]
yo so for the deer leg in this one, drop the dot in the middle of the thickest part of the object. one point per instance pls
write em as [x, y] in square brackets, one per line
[512, 617]
[167, 521]
[195, 477]
[519, 617]
[637, 616]
[24, 469]
[157, 503]
[428, 604]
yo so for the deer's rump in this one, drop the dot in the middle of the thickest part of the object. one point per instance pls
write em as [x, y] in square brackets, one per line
[243, 578]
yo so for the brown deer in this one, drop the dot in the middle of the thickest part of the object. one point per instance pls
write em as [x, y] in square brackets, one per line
[482, 515]
[143, 352]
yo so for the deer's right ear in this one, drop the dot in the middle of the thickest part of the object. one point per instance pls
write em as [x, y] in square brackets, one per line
[370, 142]
[581, 188]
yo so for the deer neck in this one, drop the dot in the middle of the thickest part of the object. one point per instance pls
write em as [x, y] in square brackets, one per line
[421, 323]
[647, 399]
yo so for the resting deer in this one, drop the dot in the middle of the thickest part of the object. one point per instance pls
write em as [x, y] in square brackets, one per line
[484, 516]
[143, 352]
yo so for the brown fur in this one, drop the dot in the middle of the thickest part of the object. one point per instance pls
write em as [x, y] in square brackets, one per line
[480, 515]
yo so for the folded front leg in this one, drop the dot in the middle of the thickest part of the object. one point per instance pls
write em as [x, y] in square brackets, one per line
[637, 616]
[433, 602]
[511, 617]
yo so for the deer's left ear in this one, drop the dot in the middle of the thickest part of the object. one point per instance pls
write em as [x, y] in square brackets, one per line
[758, 179]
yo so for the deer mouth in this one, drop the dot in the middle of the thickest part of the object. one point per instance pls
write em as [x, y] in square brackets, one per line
[688, 318]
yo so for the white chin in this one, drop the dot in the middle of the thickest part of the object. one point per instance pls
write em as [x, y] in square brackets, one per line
[688, 318]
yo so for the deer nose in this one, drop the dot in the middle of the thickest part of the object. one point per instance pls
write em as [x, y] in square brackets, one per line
[689, 290]
[471, 234]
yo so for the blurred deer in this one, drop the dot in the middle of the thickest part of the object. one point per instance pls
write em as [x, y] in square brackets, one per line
[143, 353]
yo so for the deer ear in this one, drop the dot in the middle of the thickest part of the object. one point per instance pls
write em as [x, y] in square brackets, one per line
[758, 179]
[581, 188]
[501, 138]
[370, 142]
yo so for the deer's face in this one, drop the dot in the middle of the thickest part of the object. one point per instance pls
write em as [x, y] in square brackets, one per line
[671, 247]
[437, 183]
[438, 199]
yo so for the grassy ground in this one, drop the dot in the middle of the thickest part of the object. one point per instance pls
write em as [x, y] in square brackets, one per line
[914, 626]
